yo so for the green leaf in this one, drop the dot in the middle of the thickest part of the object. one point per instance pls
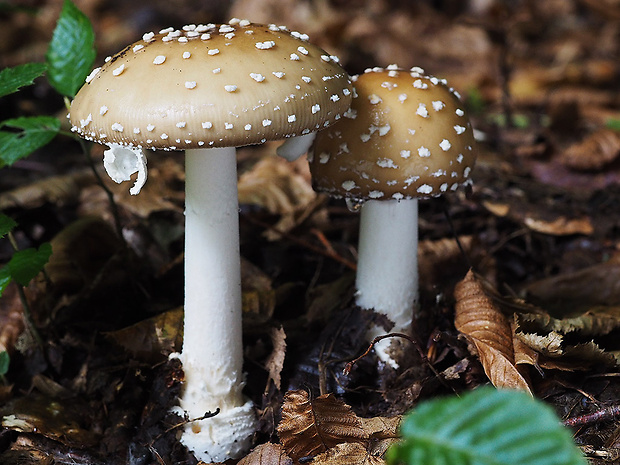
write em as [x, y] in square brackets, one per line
[485, 427]
[71, 53]
[35, 132]
[5, 278]
[5, 359]
[6, 224]
[11, 79]
[26, 264]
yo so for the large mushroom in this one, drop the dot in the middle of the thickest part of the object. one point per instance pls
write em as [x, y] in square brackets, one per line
[206, 89]
[405, 137]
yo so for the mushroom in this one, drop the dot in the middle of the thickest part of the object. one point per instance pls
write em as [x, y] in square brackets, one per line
[206, 89]
[405, 137]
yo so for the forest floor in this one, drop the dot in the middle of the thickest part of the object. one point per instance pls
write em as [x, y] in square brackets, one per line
[539, 226]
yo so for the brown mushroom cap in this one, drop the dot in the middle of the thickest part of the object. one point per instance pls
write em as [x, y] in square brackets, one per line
[211, 86]
[405, 136]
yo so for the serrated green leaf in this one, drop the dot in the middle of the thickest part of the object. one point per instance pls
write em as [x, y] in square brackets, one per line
[26, 264]
[71, 53]
[485, 427]
[11, 79]
[6, 224]
[5, 360]
[34, 132]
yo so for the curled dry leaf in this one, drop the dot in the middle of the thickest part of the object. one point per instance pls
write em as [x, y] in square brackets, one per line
[310, 427]
[267, 454]
[594, 152]
[275, 362]
[482, 322]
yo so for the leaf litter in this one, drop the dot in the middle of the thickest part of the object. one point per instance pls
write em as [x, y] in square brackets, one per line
[539, 227]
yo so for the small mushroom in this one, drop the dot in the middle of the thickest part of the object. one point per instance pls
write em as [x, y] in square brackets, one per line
[405, 137]
[207, 89]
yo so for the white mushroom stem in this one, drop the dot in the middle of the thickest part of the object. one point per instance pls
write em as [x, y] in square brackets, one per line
[295, 147]
[387, 267]
[212, 352]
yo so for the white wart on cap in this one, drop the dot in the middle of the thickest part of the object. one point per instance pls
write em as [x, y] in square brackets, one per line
[211, 86]
[405, 136]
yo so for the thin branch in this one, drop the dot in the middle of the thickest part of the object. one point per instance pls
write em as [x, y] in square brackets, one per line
[606, 413]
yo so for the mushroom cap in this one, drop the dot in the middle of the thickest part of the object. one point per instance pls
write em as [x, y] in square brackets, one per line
[211, 86]
[406, 135]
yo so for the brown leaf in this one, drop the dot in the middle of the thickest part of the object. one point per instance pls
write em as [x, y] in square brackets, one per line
[382, 432]
[594, 152]
[11, 318]
[258, 297]
[275, 362]
[62, 190]
[267, 454]
[152, 339]
[310, 427]
[478, 318]
[580, 290]
[349, 454]
[381, 427]
[280, 188]
[540, 220]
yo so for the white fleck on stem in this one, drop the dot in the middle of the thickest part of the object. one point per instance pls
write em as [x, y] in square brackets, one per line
[387, 267]
[212, 352]
[295, 147]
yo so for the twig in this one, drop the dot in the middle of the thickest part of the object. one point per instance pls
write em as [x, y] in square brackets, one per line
[606, 413]
[185, 422]
[416, 344]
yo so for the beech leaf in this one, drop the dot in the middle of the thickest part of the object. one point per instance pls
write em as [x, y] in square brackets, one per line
[483, 323]
[349, 454]
[310, 427]
[267, 454]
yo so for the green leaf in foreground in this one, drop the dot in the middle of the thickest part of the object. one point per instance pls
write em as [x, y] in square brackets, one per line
[6, 225]
[31, 133]
[11, 79]
[26, 264]
[485, 427]
[71, 52]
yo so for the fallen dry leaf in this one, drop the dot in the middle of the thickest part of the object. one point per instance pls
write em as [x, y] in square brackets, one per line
[310, 427]
[594, 152]
[280, 187]
[573, 292]
[153, 339]
[275, 362]
[348, 453]
[258, 295]
[540, 221]
[267, 454]
[60, 190]
[11, 318]
[483, 323]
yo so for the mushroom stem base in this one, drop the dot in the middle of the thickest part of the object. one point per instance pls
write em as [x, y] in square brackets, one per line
[387, 268]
